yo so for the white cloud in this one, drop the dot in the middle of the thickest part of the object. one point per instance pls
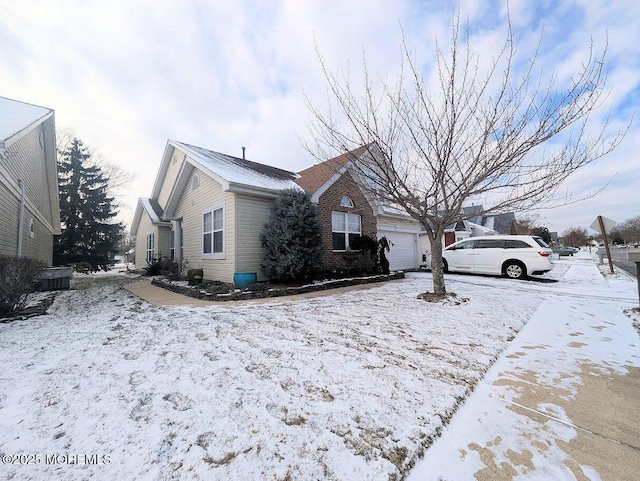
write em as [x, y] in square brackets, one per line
[226, 74]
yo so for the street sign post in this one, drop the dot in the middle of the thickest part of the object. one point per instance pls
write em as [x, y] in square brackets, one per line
[603, 225]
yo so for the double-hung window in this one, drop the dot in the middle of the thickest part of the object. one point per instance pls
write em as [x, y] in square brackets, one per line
[213, 232]
[346, 228]
[151, 246]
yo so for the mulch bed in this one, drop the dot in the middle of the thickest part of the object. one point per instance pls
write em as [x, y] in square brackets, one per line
[261, 291]
[39, 309]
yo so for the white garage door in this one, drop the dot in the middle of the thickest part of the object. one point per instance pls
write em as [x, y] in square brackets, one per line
[403, 254]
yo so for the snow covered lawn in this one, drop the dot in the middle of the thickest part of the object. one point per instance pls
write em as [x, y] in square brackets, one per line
[346, 386]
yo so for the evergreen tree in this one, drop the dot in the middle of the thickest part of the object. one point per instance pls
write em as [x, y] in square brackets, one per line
[292, 239]
[543, 233]
[85, 211]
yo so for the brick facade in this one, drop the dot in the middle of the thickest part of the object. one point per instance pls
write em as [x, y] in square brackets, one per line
[329, 201]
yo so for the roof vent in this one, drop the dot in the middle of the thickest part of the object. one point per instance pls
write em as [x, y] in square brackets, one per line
[243, 157]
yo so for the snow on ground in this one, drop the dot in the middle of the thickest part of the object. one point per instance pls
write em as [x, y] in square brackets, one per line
[346, 386]
[535, 414]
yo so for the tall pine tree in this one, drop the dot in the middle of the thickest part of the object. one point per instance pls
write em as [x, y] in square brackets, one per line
[86, 211]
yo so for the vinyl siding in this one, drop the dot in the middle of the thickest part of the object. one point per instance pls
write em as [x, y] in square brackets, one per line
[251, 215]
[189, 207]
[145, 227]
[170, 177]
[41, 246]
[9, 209]
[26, 161]
[163, 241]
[398, 223]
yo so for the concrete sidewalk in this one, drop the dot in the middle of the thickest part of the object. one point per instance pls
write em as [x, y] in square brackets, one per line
[563, 402]
[163, 297]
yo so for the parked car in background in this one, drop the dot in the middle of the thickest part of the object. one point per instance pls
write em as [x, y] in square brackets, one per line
[564, 250]
[514, 256]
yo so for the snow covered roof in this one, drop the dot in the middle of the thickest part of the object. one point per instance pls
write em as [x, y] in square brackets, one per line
[240, 171]
[153, 209]
[16, 116]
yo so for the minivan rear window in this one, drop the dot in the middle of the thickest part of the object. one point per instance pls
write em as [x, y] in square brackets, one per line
[516, 244]
[540, 242]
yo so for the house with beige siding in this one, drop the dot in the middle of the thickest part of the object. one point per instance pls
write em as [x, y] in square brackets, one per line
[207, 208]
[29, 202]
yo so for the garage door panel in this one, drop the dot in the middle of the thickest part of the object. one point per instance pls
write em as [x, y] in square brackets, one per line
[403, 251]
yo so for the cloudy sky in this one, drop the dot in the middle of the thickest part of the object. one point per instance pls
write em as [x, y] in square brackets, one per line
[222, 74]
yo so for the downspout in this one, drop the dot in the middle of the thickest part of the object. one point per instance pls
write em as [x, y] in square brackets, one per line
[20, 218]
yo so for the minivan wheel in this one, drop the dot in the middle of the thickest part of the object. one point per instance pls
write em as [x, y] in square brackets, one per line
[445, 267]
[515, 270]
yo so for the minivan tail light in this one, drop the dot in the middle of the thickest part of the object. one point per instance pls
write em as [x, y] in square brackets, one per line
[544, 254]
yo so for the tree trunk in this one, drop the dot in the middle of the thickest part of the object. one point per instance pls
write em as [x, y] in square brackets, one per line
[436, 265]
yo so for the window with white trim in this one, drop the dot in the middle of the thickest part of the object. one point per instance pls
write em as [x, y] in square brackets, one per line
[346, 202]
[213, 232]
[345, 229]
[195, 182]
[151, 246]
[32, 229]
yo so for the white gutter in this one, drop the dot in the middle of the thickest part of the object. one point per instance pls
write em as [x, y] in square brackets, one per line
[21, 218]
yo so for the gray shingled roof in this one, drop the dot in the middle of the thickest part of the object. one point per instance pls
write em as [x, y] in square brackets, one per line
[241, 171]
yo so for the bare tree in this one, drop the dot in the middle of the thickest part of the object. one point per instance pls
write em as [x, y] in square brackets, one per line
[575, 236]
[525, 224]
[472, 134]
[628, 230]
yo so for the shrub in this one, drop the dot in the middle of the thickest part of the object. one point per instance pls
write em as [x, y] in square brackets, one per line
[18, 280]
[384, 246]
[83, 267]
[292, 240]
[154, 266]
[376, 250]
[215, 287]
[164, 266]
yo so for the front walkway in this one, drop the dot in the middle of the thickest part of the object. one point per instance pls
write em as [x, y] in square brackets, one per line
[162, 297]
[562, 402]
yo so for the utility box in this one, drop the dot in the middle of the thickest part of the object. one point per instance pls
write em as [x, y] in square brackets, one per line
[55, 278]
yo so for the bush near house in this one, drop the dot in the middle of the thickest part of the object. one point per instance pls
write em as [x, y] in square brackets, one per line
[375, 251]
[292, 239]
[164, 266]
[18, 280]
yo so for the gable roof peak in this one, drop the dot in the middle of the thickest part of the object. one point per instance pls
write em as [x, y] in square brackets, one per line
[314, 177]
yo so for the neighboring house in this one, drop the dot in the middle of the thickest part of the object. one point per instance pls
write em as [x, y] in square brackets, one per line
[29, 202]
[473, 226]
[209, 209]
[347, 210]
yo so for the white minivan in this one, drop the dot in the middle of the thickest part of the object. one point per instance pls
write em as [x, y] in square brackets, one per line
[514, 256]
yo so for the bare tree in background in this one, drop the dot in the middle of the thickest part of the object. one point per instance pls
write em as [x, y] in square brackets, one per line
[118, 177]
[628, 230]
[575, 236]
[472, 134]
